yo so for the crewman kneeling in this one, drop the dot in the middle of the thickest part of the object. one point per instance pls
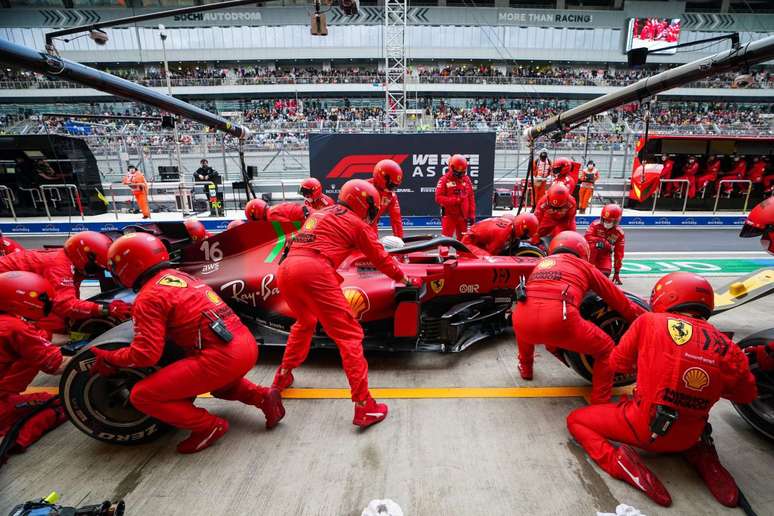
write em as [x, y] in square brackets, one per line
[25, 351]
[258, 209]
[497, 235]
[549, 315]
[311, 287]
[219, 350]
[684, 366]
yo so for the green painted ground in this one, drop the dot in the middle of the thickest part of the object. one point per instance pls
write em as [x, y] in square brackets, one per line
[717, 266]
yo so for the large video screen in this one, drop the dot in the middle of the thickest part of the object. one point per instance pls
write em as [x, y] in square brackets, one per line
[653, 33]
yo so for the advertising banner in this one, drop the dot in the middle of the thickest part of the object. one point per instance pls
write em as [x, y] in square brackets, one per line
[336, 158]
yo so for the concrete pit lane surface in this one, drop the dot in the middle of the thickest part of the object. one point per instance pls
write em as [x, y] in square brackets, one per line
[458, 455]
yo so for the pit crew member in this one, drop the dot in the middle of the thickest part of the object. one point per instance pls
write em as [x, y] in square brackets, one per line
[549, 315]
[387, 177]
[707, 178]
[495, 236]
[454, 194]
[258, 209]
[555, 212]
[196, 230]
[84, 255]
[606, 239]
[562, 171]
[9, 246]
[310, 286]
[25, 351]
[589, 177]
[684, 366]
[219, 350]
[312, 191]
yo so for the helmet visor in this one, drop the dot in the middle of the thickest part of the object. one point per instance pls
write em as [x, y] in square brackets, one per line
[306, 192]
[749, 231]
[47, 304]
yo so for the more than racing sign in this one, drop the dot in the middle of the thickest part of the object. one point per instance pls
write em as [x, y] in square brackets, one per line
[336, 158]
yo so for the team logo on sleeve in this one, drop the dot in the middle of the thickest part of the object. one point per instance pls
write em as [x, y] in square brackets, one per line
[437, 285]
[212, 296]
[546, 263]
[680, 331]
[696, 378]
[170, 280]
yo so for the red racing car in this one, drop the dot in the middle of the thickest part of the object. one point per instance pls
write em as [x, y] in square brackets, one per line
[464, 300]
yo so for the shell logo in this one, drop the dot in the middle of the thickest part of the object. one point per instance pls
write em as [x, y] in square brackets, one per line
[357, 300]
[546, 264]
[212, 296]
[310, 224]
[696, 378]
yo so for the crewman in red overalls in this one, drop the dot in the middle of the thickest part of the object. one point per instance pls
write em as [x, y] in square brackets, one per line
[311, 287]
[738, 172]
[312, 191]
[219, 350]
[258, 209]
[196, 229]
[454, 194]
[496, 235]
[684, 366]
[555, 212]
[9, 246]
[606, 239]
[666, 173]
[706, 179]
[387, 178]
[25, 351]
[84, 255]
[690, 170]
[549, 315]
[562, 171]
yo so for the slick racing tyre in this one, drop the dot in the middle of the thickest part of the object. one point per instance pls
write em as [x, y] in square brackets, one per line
[595, 310]
[529, 250]
[760, 413]
[100, 406]
[89, 329]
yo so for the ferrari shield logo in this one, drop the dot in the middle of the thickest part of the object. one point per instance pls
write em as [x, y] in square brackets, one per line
[172, 281]
[437, 285]
[680, 331]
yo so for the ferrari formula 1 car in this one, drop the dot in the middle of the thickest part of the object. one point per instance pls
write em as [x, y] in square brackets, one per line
[463, 300]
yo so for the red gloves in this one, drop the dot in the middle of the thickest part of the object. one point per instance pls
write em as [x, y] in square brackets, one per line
[120, 310]
[764, 355]
[617, 278]
[101, 365]
[413, 282]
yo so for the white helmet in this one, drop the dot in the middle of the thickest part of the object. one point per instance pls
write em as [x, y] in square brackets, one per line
[391, 242]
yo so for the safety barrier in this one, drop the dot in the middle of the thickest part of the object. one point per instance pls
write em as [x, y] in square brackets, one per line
[731, 181]
[685, 193]
[75, 197]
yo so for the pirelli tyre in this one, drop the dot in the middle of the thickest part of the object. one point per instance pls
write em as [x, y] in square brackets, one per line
[760, 413]
[595, 309]
[527, 249]
[99, 406]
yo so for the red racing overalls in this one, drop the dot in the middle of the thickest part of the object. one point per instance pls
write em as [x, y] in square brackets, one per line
[58, 270]
[683, 363]
[550, 315]
[311, 287]
[391, 206]
[175, 307]
[709, 176]
[613, 242]
[25, 351]
[489, 237]
[323, 202]
[457, 200]
[287, 212]
[552, 222]
[739, 171]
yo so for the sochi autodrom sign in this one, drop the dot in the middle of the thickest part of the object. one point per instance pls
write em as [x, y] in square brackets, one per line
[336, 158]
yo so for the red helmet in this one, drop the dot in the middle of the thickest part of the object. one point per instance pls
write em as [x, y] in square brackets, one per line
[257, 209]
[570, 242]
[25, 294]
[311, 189]
[611, 213]
[9, 246]
[458, 165]
[361, 197]
[387, 175]
[526, 225]
[88, 251]
[558, 195]
[196, 229]
[562, 166]
[234, 223]
[683, 292]
[133, 254]
[760, 222]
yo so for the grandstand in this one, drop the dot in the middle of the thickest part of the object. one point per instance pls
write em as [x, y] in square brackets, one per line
[483, 66]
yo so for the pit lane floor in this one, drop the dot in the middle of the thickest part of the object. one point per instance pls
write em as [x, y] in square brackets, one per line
[460, 456]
